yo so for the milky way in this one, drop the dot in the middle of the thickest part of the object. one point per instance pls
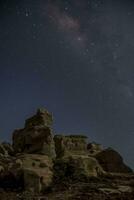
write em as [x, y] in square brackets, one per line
[74, 57]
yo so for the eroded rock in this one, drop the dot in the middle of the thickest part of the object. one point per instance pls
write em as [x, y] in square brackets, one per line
[37, 172]
[36, 137]
[111, 161]
[77, 166]
[27, 171]
[69, 145]
[8, 148]
[42, 118]
[94, 148]
[31, 164]
[2, 150]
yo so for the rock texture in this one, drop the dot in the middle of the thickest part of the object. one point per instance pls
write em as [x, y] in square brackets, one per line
[36, 137]
[94, 148]
[37, 171]
[42, 118]
[69, 145]
[77, 166]
[111, 161]
[62, 167]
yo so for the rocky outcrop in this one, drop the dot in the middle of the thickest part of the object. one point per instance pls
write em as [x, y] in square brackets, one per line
[36, 171]
[36, 137]
[77, 166]
[2, 150]
[111, 161]
[31, 172]
[69, 145]
[94, 148]
[42, 118]
[6, 149]
[37, 160]
[73, 159]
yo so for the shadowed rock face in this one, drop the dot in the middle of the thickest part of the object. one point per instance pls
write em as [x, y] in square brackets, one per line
[37, 171]
[6, 149]
[111, 161]
[69, 145]
[27, 171]
[94, 148]
[72, 158]
[42, 118]
[77, 166]
[36, 137]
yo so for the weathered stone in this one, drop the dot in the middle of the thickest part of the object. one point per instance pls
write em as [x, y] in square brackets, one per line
[8, 148]
[36, 178]
[94, 148]
[69, 145]
[42, 118]
[111, 161]
[124, 189]
[76, 166]
[21, 170]
[33, 168]
[2, 150]
[36, 137]
[34, 140]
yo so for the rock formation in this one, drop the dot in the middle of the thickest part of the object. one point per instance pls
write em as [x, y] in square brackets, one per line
[94, 148]
[36, 136]
[69, 145]
[37, 159]
[111, 161]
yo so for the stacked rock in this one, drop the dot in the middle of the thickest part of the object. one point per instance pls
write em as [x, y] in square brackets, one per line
[35, 149]
[36, 136]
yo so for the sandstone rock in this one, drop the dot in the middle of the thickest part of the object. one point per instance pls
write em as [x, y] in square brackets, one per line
[94, 148]
[36, 137]
[69, 145]
[37, 170]
[29, 171]
[125, 188]
[34, 140]
[111, 161]
[2, 150]
[77, 166]
[29, 163]
[42, 118]
[8, 148]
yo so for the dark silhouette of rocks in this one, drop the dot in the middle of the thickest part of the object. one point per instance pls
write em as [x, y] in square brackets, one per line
[111, 161]
[37, 161]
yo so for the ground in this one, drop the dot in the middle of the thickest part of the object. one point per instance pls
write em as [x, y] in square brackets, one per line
[109, 187]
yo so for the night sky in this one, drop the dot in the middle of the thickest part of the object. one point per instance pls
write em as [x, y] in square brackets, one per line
[75, 58]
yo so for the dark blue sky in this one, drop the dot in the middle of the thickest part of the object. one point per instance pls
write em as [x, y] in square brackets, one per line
[74, 57]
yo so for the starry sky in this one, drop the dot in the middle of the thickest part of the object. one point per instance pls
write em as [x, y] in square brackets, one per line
[75, 58]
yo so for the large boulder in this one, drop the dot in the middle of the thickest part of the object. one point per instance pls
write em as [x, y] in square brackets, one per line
[111, 161]
[70, 145]
[36, 136]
